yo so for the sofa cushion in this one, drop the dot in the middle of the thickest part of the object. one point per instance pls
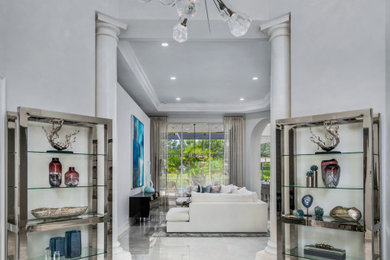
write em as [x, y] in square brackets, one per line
[243, 190]
[178, 215]
[228, 188]
[224, 197]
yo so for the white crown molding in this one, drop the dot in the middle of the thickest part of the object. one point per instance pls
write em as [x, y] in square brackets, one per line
[100, 17]
[136, 67]
[252, 106]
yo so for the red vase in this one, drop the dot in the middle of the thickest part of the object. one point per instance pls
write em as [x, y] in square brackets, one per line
[55, 172]
[71, 177]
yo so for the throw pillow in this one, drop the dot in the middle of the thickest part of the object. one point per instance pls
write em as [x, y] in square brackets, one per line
[205, 189]
[215, 189]
[228, 189]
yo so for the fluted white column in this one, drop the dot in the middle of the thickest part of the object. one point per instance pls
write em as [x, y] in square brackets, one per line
[278, 31]
[107, 32]
[3, 176]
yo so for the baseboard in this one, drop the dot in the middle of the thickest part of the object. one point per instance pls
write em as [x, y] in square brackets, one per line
[123, 230]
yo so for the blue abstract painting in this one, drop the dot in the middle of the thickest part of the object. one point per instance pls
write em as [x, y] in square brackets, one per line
[138, 153]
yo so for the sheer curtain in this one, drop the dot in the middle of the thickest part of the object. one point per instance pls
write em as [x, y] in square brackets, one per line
[159, 151]
[234, 149]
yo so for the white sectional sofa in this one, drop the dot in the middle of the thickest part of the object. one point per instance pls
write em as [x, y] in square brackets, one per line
[220, 212]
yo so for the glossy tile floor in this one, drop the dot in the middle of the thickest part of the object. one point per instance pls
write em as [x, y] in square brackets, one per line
[145, 243]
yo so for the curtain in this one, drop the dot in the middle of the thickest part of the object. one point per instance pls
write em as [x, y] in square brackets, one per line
[159, 151]
[234, 149]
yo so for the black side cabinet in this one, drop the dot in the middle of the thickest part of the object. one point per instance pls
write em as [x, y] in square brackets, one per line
[140, 204]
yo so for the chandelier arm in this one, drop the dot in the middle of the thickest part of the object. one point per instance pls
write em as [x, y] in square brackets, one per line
[207, 14]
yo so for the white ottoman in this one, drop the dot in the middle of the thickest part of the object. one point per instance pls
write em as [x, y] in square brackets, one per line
[178, 215]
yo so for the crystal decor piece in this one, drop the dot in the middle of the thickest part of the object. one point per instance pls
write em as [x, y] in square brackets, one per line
[239, 24]
[187, 8]
[55, 172]
[180, 32]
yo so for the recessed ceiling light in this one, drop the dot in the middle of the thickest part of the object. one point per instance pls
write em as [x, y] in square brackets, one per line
[178, 99]
[164, 44]
[242, 99]
[173, 78]
[255, 78]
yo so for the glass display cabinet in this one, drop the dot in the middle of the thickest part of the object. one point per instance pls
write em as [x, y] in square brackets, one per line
[328, 202]
[79, 194]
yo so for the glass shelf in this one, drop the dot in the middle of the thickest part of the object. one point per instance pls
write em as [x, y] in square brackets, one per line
[322, 154]
[298, 252]
[324, 222]
[65, 187]
[323, 188]
[66, 153]
[86, 252]
[38, 225]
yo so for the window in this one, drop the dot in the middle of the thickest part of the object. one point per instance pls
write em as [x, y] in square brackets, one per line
[265, 155]
[195, 155]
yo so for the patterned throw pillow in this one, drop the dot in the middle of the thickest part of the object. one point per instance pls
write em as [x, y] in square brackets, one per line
[215, 189]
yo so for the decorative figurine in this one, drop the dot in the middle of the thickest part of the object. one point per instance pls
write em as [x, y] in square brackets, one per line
[309, 179]
[346, 214]
[332, 137]
[319, 212]
[330, 171]
[54, 138]
[300, 213]
[71, 177]
[55, 172]
[314, 169]
[307, 201]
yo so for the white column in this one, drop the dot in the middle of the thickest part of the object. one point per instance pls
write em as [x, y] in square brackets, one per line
[278, 31]
[3, 176]
[107, 32]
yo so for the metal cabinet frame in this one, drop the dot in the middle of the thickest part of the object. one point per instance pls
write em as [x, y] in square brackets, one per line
[18, 179]
[287, 235]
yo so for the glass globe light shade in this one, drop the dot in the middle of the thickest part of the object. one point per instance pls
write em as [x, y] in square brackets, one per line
[180, 33]
[239, 24]
[167, 2]
[187, 8]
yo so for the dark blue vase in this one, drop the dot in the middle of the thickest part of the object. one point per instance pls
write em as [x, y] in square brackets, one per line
[57, 244]
[72, 243]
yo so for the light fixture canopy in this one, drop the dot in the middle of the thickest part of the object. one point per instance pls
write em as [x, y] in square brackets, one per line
[242, 99]
[178, 99]
[164, 44]
[238, 22]
[172, 78]
[255, 78]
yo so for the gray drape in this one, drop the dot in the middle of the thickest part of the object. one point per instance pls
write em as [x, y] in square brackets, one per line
[159, 151]
[234, 149]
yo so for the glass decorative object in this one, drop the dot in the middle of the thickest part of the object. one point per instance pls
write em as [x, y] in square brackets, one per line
[72, 243]
[319, 212]
[239, 24]
[71, 177]
[180, 32]
[55, 172]
[330, 173]
[307, 201]
[187, 8]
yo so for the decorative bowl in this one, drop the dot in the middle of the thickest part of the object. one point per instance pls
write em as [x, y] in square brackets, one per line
[47, 213]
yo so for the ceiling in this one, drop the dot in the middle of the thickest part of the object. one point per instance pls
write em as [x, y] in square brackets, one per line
[213, 70]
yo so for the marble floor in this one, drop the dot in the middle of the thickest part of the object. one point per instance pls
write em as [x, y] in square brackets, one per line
[145, 243]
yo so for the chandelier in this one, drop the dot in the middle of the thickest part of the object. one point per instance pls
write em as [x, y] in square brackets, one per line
[238, 22]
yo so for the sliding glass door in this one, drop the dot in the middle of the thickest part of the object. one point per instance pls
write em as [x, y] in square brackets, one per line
[195, 156]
